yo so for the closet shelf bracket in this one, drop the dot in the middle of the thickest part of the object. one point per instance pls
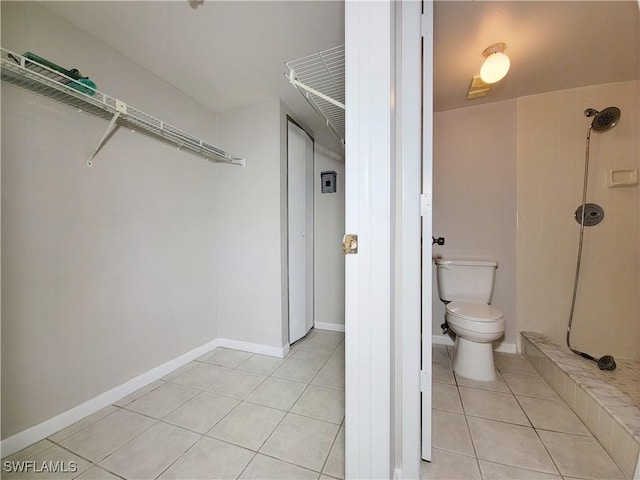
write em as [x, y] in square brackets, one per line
[105, 136]
[320, 79]
[296, 83]
[42, 80]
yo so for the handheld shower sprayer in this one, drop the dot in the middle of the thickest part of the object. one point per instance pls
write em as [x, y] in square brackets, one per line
[602, 121]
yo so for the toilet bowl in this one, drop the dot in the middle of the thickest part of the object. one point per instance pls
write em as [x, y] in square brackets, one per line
[466, 288]
[476, 326]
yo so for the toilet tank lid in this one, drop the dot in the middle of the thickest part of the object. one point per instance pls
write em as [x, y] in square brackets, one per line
[470, 263]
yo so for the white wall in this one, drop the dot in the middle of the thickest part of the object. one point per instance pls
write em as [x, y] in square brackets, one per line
[474, 208]
[551, 151]
[110, 271]
[329, 230]
[250, 215]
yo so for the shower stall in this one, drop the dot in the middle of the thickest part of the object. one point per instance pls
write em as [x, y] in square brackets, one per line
[578, 271]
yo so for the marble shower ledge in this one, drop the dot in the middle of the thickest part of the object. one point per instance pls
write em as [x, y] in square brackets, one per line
[616, 403]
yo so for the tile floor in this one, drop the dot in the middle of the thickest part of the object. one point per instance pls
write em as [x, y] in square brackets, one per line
[233, 414]
[514, 428]
[229, 414]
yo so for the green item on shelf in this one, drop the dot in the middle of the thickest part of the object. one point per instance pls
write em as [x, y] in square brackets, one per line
[84, 85]
[45, 62]
[81, 84]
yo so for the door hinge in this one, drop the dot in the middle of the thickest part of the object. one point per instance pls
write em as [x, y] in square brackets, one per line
[425, 204]
[425, 24]
[350, 244]
[425, 381]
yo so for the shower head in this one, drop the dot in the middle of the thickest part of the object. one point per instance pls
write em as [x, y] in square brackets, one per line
[603, 120]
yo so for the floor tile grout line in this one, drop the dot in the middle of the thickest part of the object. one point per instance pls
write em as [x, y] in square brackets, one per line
[247, 465]
[101, 468]
[200, 390]
[546, 449]
[85, 427]
[536, 430]
[91, 462]
[267, 406]
[509, 423]
[291, 413]
[289, 463]
[525, 468]
[127, 442]
[288, 412]
[544, 445]
[335, 439]
[97, 463]
[240, 402]
[179, 457]
[466, 421]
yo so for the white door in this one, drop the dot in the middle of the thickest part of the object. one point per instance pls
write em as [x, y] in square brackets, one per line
[300, 226]
[369, 42]
[427, 190]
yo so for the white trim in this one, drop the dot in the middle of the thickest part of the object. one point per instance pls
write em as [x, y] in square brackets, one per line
[408, 97]
[334, 327]
[42, 430]
[501, 347]
[279, 352]
[442, 340]
[506, 347]
[427, 219]
[369, 39]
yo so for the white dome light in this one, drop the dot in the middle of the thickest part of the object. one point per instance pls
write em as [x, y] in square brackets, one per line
[496, 65]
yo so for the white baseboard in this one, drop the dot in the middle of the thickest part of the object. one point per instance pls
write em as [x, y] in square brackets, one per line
[334, 327]
[38, 432]
[501, 347]
[279, 352]
[506, 347]
[441, 340]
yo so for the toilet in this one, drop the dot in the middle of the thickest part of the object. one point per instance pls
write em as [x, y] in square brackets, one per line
[466, 288]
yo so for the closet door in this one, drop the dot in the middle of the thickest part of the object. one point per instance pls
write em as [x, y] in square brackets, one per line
[300, 222]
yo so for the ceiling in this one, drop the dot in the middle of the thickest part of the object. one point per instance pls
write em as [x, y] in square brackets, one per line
[552, 46]
[229, 54]
[224, 54]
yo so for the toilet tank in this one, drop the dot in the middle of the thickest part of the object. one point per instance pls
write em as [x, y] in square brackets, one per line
[465, 279]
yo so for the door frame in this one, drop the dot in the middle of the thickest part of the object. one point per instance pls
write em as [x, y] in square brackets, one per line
[427, 227]
[382, 290]
[311, 253]
[410, 158]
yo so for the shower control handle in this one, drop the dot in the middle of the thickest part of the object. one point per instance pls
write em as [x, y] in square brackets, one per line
[439, 241]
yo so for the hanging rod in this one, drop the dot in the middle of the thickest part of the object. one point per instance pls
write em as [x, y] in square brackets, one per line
[42, 80]
[319, 77]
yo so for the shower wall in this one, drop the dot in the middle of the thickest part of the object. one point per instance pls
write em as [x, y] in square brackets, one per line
[550, 156]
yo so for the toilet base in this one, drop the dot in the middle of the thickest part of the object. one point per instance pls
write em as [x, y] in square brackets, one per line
[474, 360]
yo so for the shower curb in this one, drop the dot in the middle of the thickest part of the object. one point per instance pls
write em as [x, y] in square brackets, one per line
[608, 413]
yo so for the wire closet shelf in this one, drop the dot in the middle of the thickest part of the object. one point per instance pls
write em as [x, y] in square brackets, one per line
[320, 79]
[37, 78]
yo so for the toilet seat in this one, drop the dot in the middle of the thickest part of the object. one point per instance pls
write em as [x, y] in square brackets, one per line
[474, 316]
[476, 311]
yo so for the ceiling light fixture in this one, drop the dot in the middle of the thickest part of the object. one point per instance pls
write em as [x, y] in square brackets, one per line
[496, 64]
